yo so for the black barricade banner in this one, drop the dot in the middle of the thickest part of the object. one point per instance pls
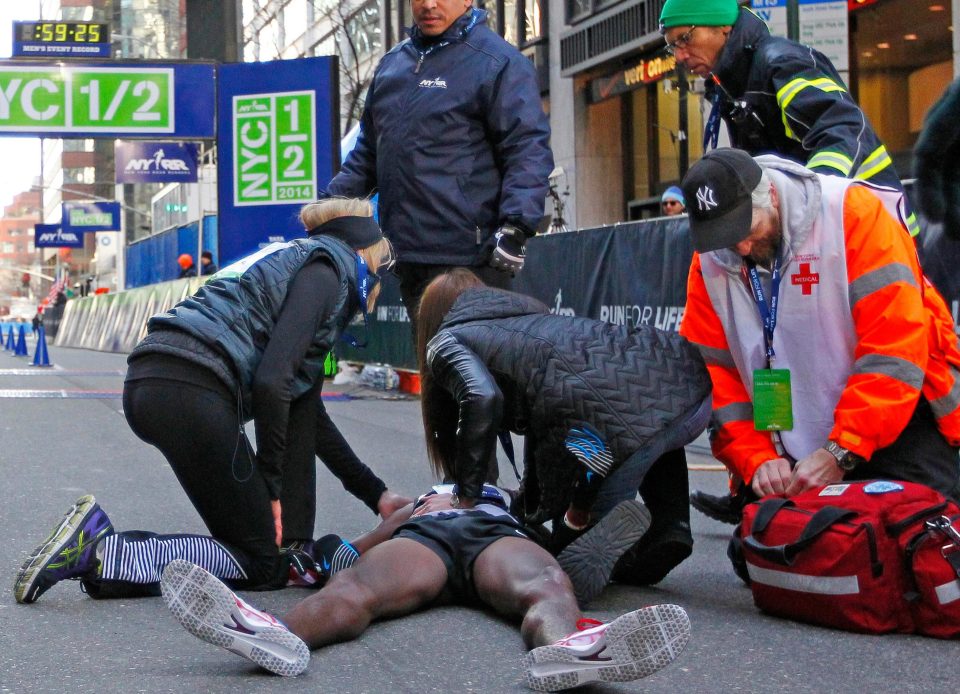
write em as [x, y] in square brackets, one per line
[387, 332]
[633, 273]
[628, 274]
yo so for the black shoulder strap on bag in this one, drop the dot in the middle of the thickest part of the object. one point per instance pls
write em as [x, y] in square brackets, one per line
[786, 553]
[768, 509]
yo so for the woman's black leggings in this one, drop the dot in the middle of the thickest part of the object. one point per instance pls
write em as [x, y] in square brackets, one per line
[196, 423]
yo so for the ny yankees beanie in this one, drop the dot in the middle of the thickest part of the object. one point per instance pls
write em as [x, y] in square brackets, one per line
[718, 189]
[704, 13]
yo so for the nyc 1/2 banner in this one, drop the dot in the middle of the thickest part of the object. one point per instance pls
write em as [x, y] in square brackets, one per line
[277, 141]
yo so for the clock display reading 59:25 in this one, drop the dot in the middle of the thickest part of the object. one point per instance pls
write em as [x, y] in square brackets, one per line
[64, 32]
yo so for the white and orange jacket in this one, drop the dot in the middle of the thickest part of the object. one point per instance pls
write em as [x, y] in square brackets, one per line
[862, 332]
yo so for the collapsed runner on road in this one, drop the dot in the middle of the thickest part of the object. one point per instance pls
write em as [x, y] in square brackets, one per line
[479, 556]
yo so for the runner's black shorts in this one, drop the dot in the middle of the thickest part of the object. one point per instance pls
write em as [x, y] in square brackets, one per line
[458, 539]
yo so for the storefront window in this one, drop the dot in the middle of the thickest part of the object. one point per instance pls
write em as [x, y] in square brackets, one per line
[901, 61]
[363, 29]
[640, 159]
[654, 137]
[533, 20]
[577, 9]
[510, 21]
[491, 7]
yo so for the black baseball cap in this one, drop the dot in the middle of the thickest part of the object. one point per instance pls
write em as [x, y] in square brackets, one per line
[717, 189]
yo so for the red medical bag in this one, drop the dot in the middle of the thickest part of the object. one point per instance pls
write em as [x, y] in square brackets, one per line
[858, 556]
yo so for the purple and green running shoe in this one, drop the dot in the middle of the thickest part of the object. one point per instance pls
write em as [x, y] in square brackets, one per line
[69, 552]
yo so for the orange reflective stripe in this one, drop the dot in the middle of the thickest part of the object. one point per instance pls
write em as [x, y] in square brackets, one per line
[890, 321]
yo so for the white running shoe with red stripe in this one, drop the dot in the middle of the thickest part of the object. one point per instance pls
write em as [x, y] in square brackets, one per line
[212, 612]
[629, 648]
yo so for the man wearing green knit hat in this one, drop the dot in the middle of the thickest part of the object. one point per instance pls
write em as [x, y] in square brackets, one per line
[699, 12]
[775, 96]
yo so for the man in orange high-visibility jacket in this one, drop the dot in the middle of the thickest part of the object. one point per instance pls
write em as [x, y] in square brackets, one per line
[831, 356]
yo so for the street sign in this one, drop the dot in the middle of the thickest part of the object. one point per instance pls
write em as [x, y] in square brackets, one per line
[277, 144]
[81, 217]
[774, 13]
[823, 25]
[115, 99]
[273, 149]
[155, 162]
[52, 236]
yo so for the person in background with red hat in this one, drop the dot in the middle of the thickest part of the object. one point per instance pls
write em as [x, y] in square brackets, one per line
[185, 261]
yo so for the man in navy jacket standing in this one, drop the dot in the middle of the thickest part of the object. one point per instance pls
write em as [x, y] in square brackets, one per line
[454, 138]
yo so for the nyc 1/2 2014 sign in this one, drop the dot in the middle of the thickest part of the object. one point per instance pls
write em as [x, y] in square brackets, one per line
[273, 148]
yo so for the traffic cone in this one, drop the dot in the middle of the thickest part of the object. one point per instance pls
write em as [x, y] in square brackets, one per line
[21, 349]
[40, 356]
[10, 340]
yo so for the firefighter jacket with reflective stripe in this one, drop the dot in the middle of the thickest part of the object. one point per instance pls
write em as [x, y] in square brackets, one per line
[861, 331]
[778, 96]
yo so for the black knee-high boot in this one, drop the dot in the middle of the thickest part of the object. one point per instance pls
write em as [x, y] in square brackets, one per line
[665, 491]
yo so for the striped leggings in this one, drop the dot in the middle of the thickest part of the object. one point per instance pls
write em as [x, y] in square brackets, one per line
[132, 562]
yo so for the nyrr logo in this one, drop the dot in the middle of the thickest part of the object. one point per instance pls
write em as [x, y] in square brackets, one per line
[559, 310]
[159, 162]
[435, 83]
[58, 236]
[705, 199]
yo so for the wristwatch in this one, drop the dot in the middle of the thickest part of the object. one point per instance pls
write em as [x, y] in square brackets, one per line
[846, 460]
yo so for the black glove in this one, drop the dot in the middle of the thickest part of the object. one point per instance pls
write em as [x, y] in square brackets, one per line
[508, 253]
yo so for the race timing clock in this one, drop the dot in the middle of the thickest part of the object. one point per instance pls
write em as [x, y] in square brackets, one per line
[65, 39]
[63, 32]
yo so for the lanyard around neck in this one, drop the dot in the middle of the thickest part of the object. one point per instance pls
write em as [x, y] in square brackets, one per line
[767, 309]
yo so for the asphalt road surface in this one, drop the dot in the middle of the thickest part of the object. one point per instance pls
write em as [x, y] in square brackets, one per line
[63, 434]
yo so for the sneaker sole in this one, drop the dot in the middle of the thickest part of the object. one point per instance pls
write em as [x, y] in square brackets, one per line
[589, 560]
[24, 587]
[638, 644]
[203, 605]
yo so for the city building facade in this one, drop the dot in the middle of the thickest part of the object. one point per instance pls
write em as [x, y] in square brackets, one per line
[20, 276]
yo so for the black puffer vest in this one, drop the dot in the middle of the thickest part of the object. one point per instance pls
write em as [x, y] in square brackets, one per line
[234, 316]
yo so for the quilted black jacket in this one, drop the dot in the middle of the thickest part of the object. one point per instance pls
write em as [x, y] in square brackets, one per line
[510, 364]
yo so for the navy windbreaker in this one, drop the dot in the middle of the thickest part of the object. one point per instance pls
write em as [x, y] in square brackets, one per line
[455, 140]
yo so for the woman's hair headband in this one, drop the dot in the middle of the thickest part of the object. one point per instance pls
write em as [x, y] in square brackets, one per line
[356, 232]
